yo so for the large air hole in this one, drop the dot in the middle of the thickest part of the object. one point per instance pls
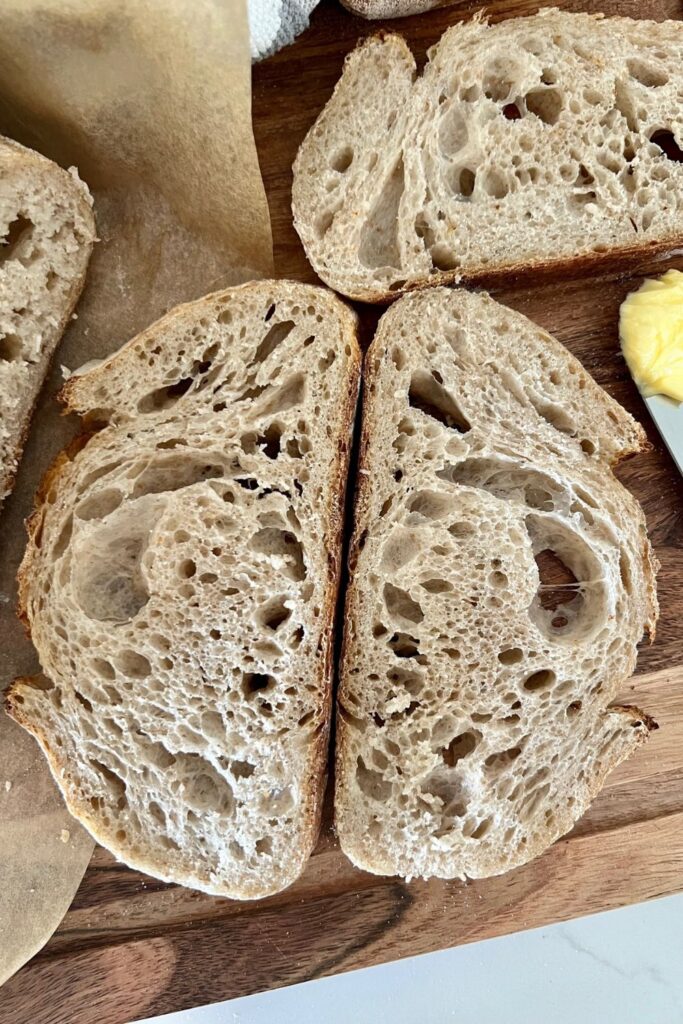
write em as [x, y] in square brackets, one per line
[647, 74]
[291, 393]
[173, 473]
[11, 347]
[404, 646]
[507, 480]
[571, 598]
[108, 581]
[459, 747]
[432, 398]
[256, 682]
[452, 132]
[273, 613]
[379, 238]
[400, 604]
[164, 398]
[283, 550]
[371, 783]
[558, 584]
[546, 104]
[19, 230]
[274, 337]
[668, 144]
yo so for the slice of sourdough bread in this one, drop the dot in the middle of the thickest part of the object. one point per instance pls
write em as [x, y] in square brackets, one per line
[501, 578]
[555, 138]
[47, 232]
[180, 584]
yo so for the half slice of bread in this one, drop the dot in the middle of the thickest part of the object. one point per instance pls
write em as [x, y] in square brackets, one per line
[46, 237]
[180, 584]
[549, 139]
[501, 578]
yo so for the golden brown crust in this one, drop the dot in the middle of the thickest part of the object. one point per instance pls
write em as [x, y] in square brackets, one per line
[613, 260]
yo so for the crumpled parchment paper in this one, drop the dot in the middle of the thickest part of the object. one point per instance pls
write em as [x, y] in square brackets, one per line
[151, 101]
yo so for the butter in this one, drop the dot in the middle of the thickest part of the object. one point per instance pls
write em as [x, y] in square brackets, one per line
[651, 333]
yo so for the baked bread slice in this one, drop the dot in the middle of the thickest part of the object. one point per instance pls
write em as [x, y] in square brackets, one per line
[501, 578]
[47, 232]
[372, 9]
[180, 583]
[549, 139]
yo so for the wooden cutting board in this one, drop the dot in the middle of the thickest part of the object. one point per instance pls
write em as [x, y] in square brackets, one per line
[131, 946]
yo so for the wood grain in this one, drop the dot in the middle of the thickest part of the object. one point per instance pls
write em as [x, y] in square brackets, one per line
[130, 946]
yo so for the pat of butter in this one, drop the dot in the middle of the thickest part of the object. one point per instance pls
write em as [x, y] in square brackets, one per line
[651, 332]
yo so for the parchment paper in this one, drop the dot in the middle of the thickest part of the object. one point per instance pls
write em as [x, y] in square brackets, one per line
[152, 102]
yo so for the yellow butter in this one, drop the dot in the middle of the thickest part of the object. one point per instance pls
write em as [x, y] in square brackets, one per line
[651, 332]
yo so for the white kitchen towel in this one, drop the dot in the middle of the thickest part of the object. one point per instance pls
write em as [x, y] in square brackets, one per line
[276, 23]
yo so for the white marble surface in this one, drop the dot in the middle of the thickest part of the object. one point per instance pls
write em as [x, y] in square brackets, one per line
[622, 967]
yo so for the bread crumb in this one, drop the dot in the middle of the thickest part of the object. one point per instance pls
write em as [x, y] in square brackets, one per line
[8, 785]
[65, 835]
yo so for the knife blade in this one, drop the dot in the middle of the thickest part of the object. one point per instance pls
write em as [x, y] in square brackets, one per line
[668, 418]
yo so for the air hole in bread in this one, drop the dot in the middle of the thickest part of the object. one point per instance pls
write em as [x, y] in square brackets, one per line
[538, 681]
[554, 414]
[466, 181]
[255, 682]
[432, 399]
[11, 348]
[404, 646]
[667, 142]
[173, 473]
[284, 550]
[399, 604]
[453, 132]
[502, 758]
[443, 257]
[112, 779]
[647, 74]
[289, 394]
[342, 159]
[460, 747]
[18, 233]
[99, 505]
[274, 338]
[430, 505]
[436, 586]
[132, 664]
[493, 183]
[512, 112]
[625, 572]
[242, 769]
[274, 613]
[558, 584]
[379, 239]
[546, 104]
[371, 783]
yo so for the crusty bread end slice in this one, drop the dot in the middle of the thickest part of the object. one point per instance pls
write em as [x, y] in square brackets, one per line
[47, 232]
[501, 578]
[548, 140]
[180, 583]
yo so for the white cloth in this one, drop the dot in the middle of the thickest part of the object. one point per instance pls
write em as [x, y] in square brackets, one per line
[276, 23]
